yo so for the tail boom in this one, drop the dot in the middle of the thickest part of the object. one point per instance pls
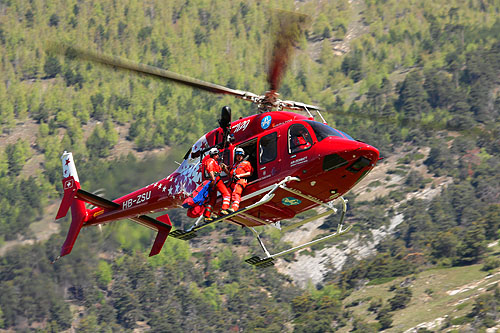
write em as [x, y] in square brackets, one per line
[76, 198]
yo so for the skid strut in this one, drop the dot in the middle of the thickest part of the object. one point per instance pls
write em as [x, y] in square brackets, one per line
[191, 232]
[269, 258]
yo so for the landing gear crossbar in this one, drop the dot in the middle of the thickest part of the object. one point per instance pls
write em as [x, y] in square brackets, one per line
[191, 232]
[269, 258]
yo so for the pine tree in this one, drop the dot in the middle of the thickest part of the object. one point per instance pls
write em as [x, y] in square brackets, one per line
[473, 245]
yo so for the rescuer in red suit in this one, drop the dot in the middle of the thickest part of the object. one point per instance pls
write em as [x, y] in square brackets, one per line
[239, 172]
[211, 171]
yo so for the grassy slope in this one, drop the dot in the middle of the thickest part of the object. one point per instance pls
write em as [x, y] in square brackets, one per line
[436, 293]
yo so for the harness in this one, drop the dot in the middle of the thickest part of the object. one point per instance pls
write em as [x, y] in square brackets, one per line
[234, 180]
[206, 172]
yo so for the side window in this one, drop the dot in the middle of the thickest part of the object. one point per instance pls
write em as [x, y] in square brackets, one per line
[268, 148]
[299, 138]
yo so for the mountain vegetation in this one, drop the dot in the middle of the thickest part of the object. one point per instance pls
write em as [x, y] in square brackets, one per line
[391, 73]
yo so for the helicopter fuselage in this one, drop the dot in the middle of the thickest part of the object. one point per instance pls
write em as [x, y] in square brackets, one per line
[327, 162]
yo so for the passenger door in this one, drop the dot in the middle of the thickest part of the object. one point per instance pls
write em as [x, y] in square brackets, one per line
[269, 156]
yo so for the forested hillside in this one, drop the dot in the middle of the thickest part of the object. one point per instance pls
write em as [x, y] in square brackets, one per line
[404, 76]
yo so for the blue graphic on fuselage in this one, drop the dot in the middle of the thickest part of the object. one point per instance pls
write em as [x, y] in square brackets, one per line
[266, 122]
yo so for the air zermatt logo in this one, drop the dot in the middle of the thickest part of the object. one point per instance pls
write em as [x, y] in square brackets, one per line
[68, 184]
[265, 122]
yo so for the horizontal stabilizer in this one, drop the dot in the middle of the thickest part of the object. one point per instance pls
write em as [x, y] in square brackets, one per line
[96, 200]
[158, 244]
[162, 224]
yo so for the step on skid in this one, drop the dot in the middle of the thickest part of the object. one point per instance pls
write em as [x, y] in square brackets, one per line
[260, 263]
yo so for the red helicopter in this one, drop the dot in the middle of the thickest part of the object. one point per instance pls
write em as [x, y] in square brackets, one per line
[290, 176]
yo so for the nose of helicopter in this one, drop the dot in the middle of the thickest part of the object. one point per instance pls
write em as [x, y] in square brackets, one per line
[342, 163]
[353, 156]
[346, 161]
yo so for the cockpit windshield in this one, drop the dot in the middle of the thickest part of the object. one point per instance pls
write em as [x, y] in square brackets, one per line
[347, 135]
[323, 131]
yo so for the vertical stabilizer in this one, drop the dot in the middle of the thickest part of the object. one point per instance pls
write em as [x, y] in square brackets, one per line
[71, 183]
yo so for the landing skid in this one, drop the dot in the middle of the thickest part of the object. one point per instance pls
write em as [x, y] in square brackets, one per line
[191, 232]
[268, 260]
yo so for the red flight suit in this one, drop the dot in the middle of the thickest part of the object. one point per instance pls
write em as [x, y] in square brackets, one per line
[240, 184]
[210, 164]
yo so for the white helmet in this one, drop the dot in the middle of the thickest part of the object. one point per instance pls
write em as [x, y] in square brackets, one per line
[213, 151]
[239, 151]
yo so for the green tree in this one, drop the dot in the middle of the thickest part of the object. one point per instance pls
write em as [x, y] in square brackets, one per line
[29, 18]
[385, 321]
[2, 320]
[401, 298]
[4, 164]
[104, 274]
[473, 245]
[444, 244]
[102, 139]
[61, 313]
[412, 99]
[88, 324]
[54, 20]
[17, 154]
[352, 65]
[439, 88]
[52, 67]
[440, 160]
[491, 221]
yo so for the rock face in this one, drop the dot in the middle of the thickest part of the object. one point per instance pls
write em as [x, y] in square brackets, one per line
[312, 268]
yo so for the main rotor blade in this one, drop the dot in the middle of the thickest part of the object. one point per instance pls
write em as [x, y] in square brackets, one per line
[289, 27]
[125, 64]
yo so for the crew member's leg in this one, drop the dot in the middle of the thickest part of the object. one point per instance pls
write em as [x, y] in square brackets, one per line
[209, 206]
[236, 197]
[226, 196]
